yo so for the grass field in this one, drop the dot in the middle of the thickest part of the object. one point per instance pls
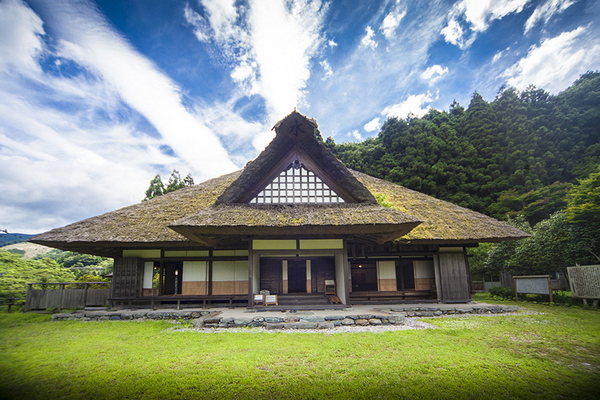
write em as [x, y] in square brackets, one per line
[542, 352]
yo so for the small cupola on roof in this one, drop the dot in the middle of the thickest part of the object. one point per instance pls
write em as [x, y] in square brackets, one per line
[296, 168]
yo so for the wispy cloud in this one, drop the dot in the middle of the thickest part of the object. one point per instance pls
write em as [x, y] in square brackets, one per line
[434, 73]
[544, 12]
[392, 20]
[470, 17]
[70, 115]
[269, 47]
[417, 105]
[20, 28]
[87, 39]
[368, 39]
[556, 62]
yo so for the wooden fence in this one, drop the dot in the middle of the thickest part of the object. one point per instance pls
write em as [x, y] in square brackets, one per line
[61, 295]
[585, 281]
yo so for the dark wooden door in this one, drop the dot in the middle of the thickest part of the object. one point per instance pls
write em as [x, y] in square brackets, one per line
[297, 276]
[172, 278]
[322, 269]
[405, 275]
[270, 275]
[364, 277]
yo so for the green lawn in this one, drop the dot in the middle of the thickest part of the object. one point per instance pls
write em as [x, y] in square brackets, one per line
[543, 352]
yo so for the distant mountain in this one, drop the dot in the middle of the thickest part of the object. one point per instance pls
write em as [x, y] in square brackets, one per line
[29, 250]
[9, 238]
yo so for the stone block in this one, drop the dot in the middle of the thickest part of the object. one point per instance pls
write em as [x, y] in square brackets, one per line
[273, 320]
[424, 314]
[347, 321]
[300, 325]
[198, 323]
[396, 319]
[274, 326]
[361, 322]
[334, 317]
[312, 318]
[375, 321]
[242, 321]
[325, 325]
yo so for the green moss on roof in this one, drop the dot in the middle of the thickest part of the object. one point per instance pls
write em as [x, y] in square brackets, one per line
[442, 220]
[149, 221]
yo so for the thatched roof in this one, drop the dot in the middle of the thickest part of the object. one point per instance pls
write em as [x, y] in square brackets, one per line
[373, 221]
[147, 224]
[216, 212]
[443, 222]
[295, 139]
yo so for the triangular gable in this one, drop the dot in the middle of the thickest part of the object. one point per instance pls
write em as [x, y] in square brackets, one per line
[296, 146]
[297, 184]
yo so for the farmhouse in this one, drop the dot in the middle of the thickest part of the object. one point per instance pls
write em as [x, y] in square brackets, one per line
[295, 223]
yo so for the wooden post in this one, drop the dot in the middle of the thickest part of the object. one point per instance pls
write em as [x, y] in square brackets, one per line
[62, 293]
[28, 298]
[85, 294]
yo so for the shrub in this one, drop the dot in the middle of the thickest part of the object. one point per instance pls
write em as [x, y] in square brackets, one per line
[503, 292]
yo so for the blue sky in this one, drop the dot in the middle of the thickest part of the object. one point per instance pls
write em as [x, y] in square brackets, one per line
[98, 97]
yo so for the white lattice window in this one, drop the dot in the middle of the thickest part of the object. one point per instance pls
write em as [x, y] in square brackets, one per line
[297, 185]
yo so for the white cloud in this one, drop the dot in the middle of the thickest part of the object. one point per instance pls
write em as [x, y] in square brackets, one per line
[367, 40]
[20, 30]
[434, 73]
[556, 62]
[87, 39]
[269, 46]
[497, 57]
[58, 169]
[391, 22]
[285, 37]
[328, 72]
[413, 105]
[477, 16]
[70, 144]
[373, 125]
[453, 33]
[355, 135]
[543, 13]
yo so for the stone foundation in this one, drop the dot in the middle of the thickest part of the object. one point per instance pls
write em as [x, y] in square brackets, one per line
[299, 320]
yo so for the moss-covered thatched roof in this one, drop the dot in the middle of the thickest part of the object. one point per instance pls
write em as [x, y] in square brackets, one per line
[147, 224]
[216, 212]
[378, 223]
[443, 222]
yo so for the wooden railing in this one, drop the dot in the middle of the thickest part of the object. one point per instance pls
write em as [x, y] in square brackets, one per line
[68, 295]
[12, 301]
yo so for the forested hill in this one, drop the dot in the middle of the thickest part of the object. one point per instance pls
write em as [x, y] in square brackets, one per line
[521, 151]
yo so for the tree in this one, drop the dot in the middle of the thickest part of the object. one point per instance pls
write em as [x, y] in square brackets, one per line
[80, 264]
[18, 272]
[158, 188]
[583, 214]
